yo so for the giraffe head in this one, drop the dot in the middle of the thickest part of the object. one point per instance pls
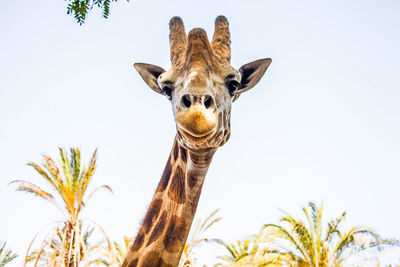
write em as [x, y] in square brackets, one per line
[201, 84]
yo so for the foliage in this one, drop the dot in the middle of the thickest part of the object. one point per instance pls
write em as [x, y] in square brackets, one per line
[52, 252]
[6, 255]
[66, 245]
[113, 256]
[239, 252]
[196, 238]
[298, 243]
[122, 249]
[80, 8]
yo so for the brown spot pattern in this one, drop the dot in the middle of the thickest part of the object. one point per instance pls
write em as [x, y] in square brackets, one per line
[165, 177]
[176, 150]
[158, 229]
[177, 186]
[195, 201]
[138, 241]
[183, 154]
[132, 263]
[151, 215]
[174, 238]
[192, 178]
[153, 259]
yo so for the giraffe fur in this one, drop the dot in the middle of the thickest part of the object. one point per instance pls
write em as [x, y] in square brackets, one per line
[201, 86]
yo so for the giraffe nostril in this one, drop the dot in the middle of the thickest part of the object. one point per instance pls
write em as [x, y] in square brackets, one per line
[208, 101]
[186, 101]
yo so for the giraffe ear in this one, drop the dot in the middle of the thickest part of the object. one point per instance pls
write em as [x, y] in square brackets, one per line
[149, 74]
[251, 74]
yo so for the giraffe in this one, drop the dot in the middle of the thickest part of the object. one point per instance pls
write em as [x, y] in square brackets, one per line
[201, 86]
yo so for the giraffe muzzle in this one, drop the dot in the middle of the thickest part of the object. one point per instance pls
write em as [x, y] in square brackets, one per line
[197, 123]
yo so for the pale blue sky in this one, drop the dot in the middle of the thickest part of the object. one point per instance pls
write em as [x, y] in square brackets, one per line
[323, 123]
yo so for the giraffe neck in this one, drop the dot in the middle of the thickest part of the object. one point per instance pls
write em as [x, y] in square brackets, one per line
[164, 230]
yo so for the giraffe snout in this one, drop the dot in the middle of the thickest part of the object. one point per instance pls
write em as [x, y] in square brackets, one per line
[188, 100]
[197, 116]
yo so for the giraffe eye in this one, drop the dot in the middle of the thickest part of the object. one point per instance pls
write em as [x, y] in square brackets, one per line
[233, 86]
[167, 91]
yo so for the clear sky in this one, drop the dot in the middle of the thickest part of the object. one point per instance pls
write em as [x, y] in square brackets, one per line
[323, 123]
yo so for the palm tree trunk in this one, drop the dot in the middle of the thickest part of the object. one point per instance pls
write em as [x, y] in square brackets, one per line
[71, 256]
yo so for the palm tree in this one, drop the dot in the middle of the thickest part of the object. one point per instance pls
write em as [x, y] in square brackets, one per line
[6, 255]
[239, 253]
[298, 243]
[67, 244]
[197, 237]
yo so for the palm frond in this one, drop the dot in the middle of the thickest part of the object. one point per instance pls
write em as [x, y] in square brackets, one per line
[238, 251]
[88, 173]
[66, 167]
[105, 187]
[197, 237]
[349, 239]
[6, 255]
[110, 244]
[333, 227]
[26, 186]
[75, 165]
[303, 235]
[51, 179]
[122, 250]
[52, 168]
[276, 256]
[206, 223]
[315, 230]
[280, 232]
